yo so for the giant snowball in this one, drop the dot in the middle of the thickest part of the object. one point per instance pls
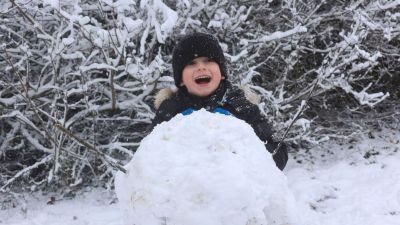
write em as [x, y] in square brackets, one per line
[204, 169]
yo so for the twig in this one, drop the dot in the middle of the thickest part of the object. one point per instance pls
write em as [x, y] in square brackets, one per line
[25, 170]
[30, 19]
[106, 158]
[299, 112]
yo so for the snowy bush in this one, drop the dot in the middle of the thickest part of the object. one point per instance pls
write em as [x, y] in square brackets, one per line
[77, 77]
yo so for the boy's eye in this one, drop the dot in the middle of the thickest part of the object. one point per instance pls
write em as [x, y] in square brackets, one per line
[192, 62]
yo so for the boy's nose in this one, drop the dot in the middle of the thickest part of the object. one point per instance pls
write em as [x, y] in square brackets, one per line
[201, 66]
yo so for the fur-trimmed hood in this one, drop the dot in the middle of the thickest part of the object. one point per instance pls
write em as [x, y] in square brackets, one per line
[166, 93]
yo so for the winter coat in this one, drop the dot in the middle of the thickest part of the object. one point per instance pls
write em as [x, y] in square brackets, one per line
[234, 100]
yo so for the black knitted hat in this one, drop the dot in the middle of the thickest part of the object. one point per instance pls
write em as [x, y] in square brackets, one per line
[193, 46]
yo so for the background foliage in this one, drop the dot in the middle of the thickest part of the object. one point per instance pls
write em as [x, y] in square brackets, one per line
[77, 78]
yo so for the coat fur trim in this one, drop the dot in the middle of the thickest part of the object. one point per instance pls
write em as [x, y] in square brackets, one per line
[251, 95]
[163, 95]
[166, 93]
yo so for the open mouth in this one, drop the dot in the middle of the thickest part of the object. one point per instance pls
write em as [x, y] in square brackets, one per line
[202, 79]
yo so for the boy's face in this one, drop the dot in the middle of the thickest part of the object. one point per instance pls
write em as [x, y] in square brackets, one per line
[201, 76]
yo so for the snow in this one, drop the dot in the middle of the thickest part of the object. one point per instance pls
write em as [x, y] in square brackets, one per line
[98, 66]
[169, 18]
[204, 169]
[280, 34]
[357, 185]
[52, 3]
[132, 25]
[91, 208]
[68, 41]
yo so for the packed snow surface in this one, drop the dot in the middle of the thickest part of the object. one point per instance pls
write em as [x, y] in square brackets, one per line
[204, 169]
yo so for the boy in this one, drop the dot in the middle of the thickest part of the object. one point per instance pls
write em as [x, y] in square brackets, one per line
[201, 77]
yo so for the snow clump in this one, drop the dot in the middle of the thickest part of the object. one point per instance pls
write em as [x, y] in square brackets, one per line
[204, 169]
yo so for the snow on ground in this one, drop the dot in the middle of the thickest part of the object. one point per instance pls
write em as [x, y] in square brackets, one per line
[355, 186]
[94, 207]
[359, 185]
